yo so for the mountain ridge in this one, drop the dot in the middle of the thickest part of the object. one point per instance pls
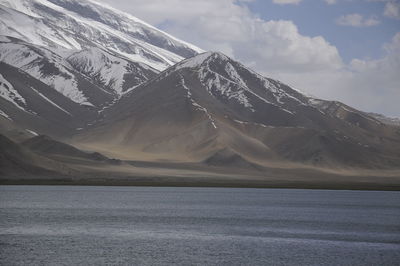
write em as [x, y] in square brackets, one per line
[102, 81]
[211, 104]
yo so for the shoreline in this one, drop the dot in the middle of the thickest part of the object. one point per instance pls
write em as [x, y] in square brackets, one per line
[359, 186]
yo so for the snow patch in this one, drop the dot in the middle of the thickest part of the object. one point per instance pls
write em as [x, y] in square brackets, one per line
[32, 132]
[114, 31]
[130, 89]
[194, 62]
[224, 86]
[233, 74]
[237, 91]
[8, 93]
[95, 63]
[364, 116]
[177, 41]
[195, 104]
[51, 102]
[32, 61]
[251, 123]
[20, 6]
[3, 114]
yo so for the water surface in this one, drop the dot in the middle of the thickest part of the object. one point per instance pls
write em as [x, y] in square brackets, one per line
[62, 225]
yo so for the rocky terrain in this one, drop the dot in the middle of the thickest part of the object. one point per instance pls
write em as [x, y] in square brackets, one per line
[89, 94]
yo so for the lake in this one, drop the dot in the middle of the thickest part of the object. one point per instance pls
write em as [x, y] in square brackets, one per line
[71, 225]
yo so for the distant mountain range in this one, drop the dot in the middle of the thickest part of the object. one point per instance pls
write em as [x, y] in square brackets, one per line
[87, 75]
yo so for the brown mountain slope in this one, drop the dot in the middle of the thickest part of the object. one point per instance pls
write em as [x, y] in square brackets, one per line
[226, 168]
[210, 103]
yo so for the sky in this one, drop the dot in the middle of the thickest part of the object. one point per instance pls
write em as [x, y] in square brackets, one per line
[346, 50]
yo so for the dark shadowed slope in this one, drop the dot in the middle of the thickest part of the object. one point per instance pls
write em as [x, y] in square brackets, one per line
[19, 162]
[47, 147]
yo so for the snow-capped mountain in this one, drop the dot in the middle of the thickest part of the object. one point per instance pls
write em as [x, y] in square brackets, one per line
[44, 65]
[386, 120]
[74, 25]
[113, 49]
[106, 81]
[115, 74]
[86, 52]
[211, 106]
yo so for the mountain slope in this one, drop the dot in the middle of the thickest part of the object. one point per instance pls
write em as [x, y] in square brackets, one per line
[51, 69]
[76, 25]
[52, 40]
[63, 62]
[113, 73]
[33, 105]
[90, 75]
[16, 161]
[43, 158]
[210, 103]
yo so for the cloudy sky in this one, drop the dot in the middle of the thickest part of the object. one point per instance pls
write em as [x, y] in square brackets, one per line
[348, 50]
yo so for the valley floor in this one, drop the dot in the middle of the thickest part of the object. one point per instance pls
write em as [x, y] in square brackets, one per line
[200, 175]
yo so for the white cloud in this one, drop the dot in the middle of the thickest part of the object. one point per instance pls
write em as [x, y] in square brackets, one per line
[392, 10]
[273, 46]
[369, 84]
[230, 27]
[330, 2]
[357, 20]
[277, 49]
[286, 2]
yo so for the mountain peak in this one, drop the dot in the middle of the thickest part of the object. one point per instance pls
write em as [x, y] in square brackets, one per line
[75, 69]
[200, 59]
[75, 25]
